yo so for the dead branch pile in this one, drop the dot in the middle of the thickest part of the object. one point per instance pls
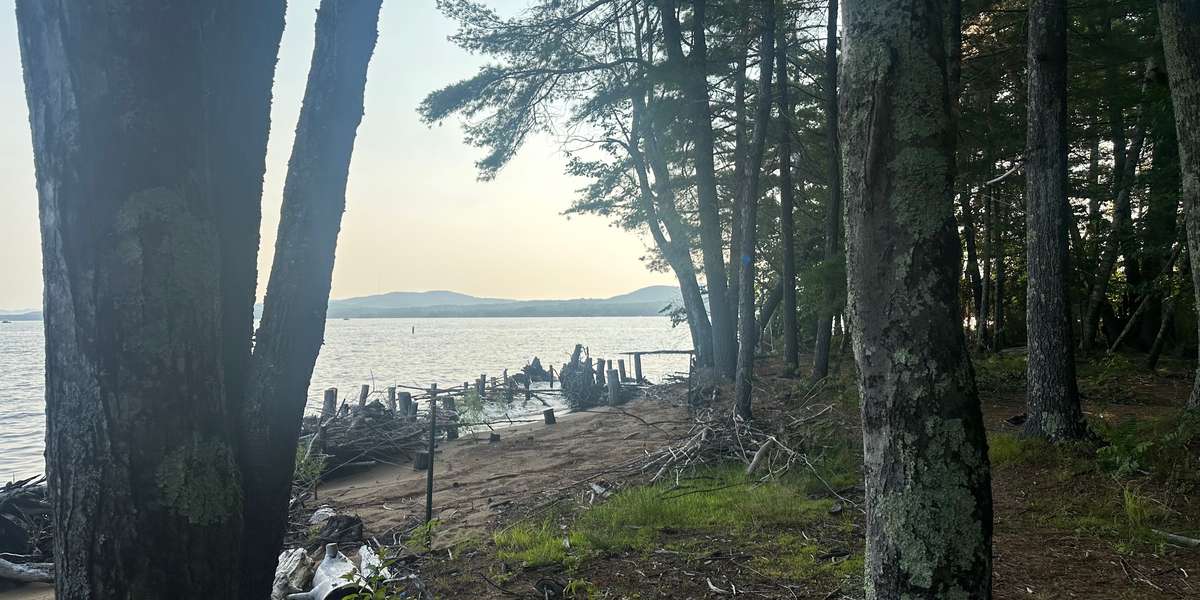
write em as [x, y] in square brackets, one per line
[372, 434]
[797, 437]
[26, 543]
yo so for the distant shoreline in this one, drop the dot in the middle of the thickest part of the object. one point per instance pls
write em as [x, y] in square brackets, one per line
[38, 317]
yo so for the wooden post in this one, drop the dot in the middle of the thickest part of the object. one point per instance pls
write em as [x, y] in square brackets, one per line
[421, 461]
[480, 384]
[329, 406]
[528, 394]
[548, 415]
[391, 391]
[614, 388]
[508, 395]
[599, 371]
[637, 368]
[363, 392]
[451, 422]
[493, 437]
[621, 369]
[551, 376]
[432, 441]
[406, 405]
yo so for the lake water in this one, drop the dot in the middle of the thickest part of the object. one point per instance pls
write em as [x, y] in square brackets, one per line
[380, 352]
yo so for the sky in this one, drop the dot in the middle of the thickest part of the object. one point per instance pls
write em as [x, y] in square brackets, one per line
[416, 216]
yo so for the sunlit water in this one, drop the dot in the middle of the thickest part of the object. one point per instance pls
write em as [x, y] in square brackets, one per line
[379, 352]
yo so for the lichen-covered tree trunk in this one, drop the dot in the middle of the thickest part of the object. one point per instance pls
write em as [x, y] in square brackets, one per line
[833, 208]
[1180, 22]
[748, 205]
[149, 125]
[787, 223]
[293, 321]
[1051, 391]
[928, 488]
[691, 74]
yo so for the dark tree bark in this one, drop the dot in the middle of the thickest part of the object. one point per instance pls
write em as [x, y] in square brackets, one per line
[690, 72]
[1051, 390]
[833, 210]
[770, 305]
[149, 133]
[1180, 22]
[787, 223]
[928, 489]
[748, 205]
[1168, 314]
[1125, 158]
[293, 320]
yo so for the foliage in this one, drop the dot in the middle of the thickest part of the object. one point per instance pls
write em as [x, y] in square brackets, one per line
[308, 469]
[1164, 449]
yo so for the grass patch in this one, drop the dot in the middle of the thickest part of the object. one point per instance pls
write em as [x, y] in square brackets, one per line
[536, 545]
[763, 519]
[719, 499]
[1111, 491]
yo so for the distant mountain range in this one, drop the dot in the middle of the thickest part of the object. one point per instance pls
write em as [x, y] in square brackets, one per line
[439, 303]
[646, 301]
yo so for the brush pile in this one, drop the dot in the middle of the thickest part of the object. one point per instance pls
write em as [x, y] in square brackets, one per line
[371, 434]
[795, 428]
[25, 534]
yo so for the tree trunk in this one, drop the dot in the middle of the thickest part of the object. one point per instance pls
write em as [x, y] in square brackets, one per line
[928, 489]
[787, 225]
[293, 320]
[1125, 161]
[1168, 313]
[833, 210]
[739, 161]
[749, 208]
[149, 133]
[1180, 21]
[982, 339]
[1051, 389]
[691, 72]
[675, 250]
[998, 270]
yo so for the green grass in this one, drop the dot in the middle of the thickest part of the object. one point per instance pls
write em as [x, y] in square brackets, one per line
[716, 501]
[1110, 489]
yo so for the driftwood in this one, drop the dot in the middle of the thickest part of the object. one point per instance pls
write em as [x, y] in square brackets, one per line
[579, 382]
[27, 573]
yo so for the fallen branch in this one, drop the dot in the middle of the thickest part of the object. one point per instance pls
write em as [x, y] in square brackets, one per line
[27, 573]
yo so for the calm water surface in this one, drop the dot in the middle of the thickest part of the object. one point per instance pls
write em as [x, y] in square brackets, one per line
[379, 352]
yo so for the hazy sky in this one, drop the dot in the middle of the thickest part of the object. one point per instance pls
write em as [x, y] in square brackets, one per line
[416, 218]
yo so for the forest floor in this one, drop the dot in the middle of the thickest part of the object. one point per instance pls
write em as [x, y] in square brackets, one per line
[571, 505]
[1070, 522]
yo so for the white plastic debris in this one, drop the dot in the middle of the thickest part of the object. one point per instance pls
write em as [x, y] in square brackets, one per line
[370, 564]
[333, 577]
[291, 574]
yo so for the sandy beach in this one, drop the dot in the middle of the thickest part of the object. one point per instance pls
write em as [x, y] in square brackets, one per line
[476, 482]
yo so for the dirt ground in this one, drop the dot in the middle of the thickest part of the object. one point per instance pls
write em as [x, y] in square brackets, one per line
[477, 483]
[480, 485]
